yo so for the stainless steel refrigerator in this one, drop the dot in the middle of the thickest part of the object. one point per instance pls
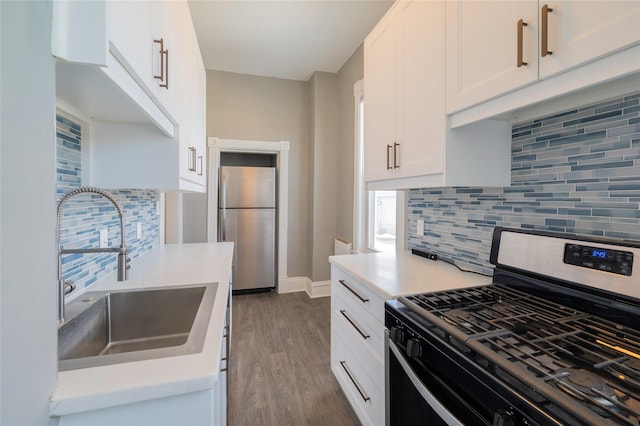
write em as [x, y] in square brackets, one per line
[247, 216]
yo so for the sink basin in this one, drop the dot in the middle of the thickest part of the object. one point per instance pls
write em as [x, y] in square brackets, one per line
[104, 328]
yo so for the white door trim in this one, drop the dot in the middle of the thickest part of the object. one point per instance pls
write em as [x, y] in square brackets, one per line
[281, 149]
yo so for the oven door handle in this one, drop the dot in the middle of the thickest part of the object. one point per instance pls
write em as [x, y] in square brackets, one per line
[428, 396]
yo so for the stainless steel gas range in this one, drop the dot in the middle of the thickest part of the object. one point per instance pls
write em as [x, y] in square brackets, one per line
[554, 340]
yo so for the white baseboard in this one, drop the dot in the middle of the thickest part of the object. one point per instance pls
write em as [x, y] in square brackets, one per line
[292, 284]
[313, 289]
[319, 289]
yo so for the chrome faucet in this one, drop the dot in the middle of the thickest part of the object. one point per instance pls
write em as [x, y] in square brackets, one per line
[123, 260]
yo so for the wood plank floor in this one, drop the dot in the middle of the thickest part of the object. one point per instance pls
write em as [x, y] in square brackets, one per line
[280, 363]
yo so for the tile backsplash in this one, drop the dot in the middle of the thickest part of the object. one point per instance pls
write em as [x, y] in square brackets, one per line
[577, 171]
[85, 215]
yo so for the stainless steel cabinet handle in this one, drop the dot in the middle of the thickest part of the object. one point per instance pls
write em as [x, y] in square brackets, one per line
[521, 25]
[362, 333]
[164, 64]
[544, 31]
[362, 299]
[346, 370]
[388, 163]
[192, 159]
[395, 155]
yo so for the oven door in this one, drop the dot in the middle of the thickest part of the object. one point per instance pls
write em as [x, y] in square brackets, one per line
[408, 401]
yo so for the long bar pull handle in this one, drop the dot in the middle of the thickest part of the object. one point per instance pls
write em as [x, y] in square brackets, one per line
[166, 69]
[544, 31]
[362, 333]
[192, 158]
[395, 155]
[388, 164]
[161, 51]
[362, 299]
[521, 25]
[346, 370]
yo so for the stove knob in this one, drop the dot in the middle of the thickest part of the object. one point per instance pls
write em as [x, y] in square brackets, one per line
[396, 334]
[413, 348]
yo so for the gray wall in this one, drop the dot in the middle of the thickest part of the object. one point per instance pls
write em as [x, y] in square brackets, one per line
[351, 71]
[28, 363]
[262, 108]
[317, 117]
[323, 138]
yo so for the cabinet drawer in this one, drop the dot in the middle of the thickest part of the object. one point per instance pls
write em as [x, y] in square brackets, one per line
[359, 326]
[356, 292]
[350, 367]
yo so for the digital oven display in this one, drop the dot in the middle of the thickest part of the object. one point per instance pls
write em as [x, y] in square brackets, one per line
[614, 261]
[599, 254]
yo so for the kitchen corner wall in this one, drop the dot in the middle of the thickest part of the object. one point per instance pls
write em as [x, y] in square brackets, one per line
[577, 171]
[85, 215]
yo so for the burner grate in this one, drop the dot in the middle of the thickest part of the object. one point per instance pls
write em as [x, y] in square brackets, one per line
[544, 344]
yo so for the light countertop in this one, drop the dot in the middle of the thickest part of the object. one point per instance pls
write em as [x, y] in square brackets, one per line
[111, 385]
[392, 275]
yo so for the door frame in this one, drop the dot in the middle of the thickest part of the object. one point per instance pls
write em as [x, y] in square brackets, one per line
[281, 150]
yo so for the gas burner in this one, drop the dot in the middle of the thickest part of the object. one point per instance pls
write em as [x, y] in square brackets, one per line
[584, 385]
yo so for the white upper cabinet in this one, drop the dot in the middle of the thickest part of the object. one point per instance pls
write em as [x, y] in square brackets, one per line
[403, 100]
[580, 31]
[407, 139]
[165, 39]
[130, 35]
[483, 44]
[192, 106]
[142, 87]
[380, 100]
[497, 47]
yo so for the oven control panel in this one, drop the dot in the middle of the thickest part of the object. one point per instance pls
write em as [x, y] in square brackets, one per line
[603, 259]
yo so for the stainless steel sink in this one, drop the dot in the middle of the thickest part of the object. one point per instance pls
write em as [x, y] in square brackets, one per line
[104, 328]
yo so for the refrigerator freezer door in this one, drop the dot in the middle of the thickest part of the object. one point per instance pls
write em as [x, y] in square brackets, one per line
[247, 187]
[253, 232]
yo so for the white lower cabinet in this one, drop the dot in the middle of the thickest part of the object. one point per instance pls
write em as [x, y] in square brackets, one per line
[357, 345]
[194, 409]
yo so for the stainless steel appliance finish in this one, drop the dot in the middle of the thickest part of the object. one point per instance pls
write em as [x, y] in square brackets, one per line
[530, 348]
[107, 328]
[247, 216]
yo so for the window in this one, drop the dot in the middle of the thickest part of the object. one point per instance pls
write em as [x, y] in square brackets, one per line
[382, 220]
[375, 213]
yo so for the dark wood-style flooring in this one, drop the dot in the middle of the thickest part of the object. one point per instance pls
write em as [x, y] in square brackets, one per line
[280, 363]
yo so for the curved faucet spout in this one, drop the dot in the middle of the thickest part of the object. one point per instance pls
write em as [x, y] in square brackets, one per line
[123, 260]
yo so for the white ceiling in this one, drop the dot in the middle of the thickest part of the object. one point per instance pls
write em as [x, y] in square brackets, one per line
[284, 39]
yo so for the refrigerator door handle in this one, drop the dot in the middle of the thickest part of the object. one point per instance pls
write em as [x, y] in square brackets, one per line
[224, 209]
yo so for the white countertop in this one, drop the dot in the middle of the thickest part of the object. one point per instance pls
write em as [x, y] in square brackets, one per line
[111, 385]
[392, 275]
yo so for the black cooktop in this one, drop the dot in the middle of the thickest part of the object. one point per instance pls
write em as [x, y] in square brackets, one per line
[562, 353]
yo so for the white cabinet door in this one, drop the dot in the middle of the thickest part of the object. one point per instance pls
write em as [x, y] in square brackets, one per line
[192, 87]
[379, 100]
[580, 31]
[420, 128]
[130, 35]
[482, 49]
[166, 60]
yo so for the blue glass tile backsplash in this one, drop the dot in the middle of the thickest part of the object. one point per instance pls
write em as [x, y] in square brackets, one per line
[577, 171]
[85, 215]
